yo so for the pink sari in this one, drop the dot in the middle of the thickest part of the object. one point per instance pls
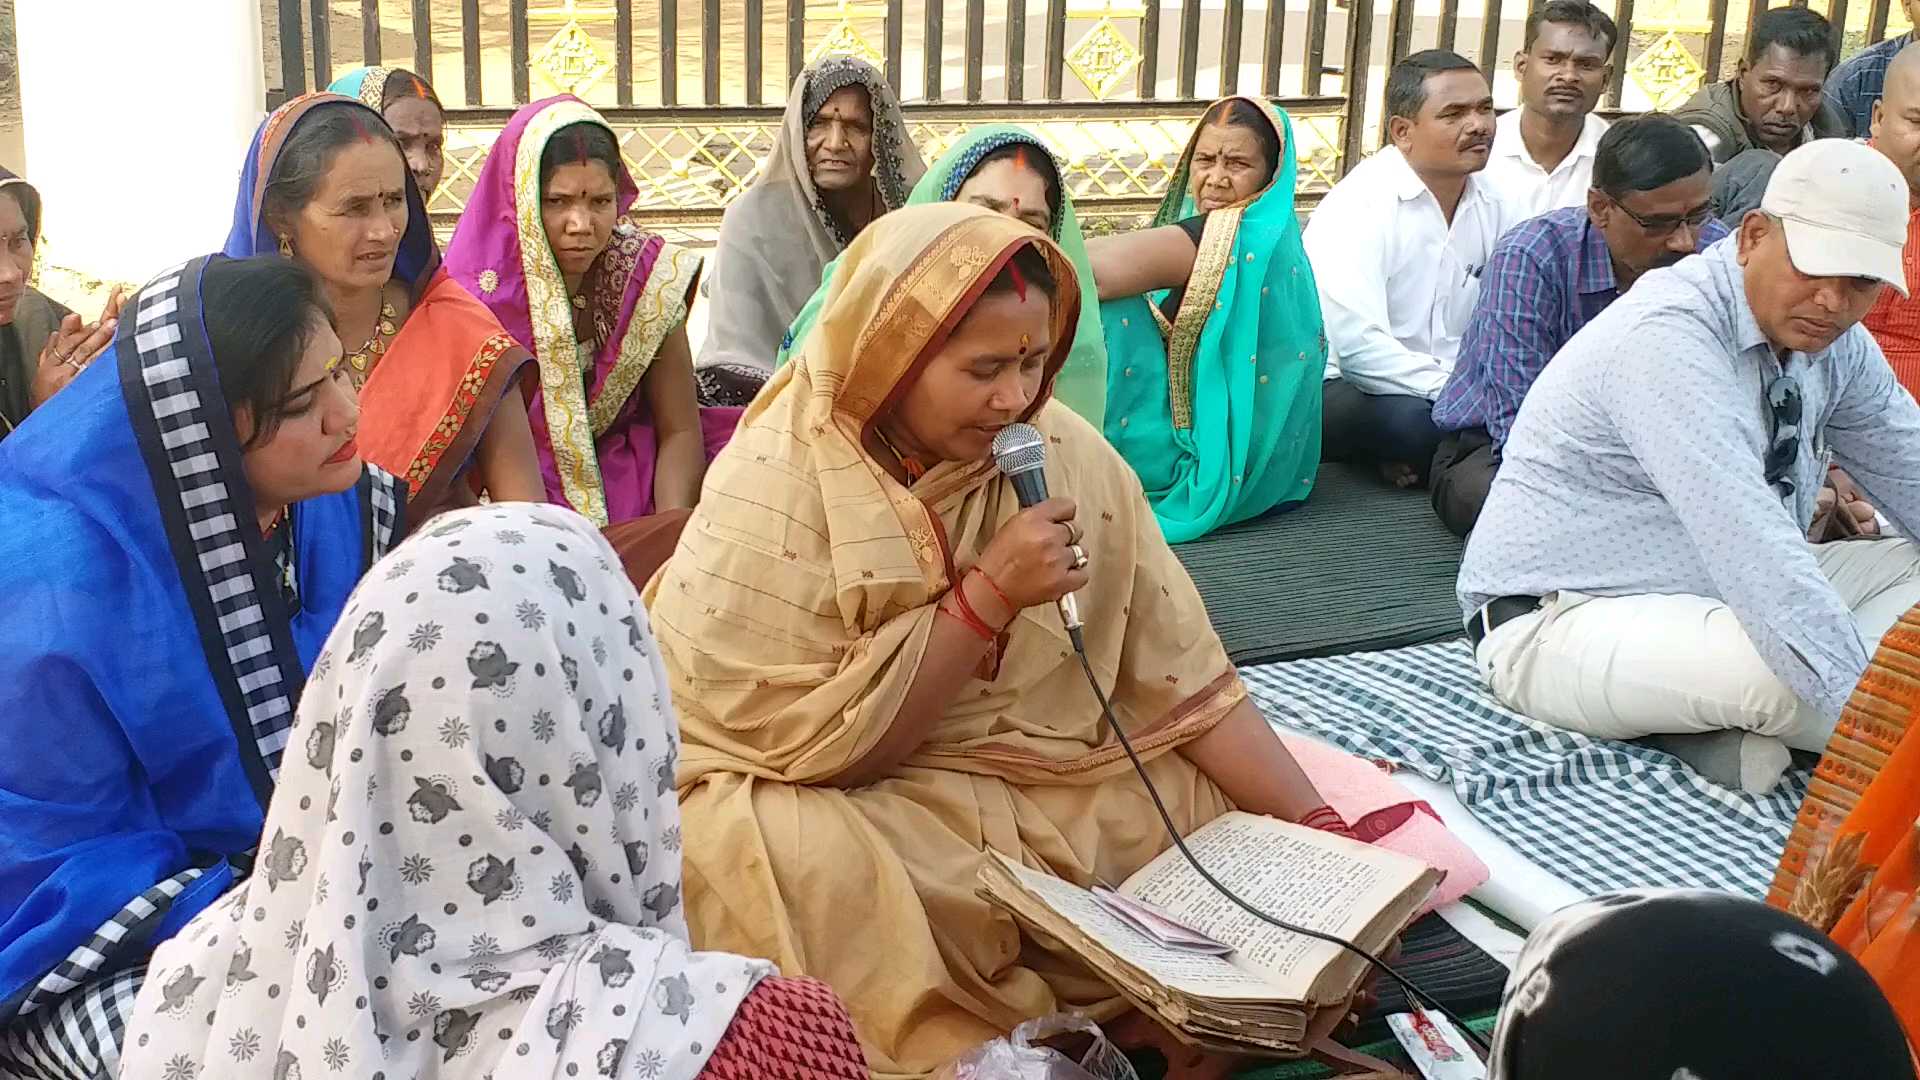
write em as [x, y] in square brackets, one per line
[592, 427]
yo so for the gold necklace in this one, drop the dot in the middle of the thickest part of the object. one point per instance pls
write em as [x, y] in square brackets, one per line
[361, 360]
[913, 468]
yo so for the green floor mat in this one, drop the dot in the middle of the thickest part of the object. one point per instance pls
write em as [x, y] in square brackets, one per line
[1359, 566]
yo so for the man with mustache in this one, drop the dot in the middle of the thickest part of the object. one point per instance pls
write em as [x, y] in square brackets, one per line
[1543, 151]
[1397, 248]
[1774, 100]
[1647, 207]
[1641, 567]
[1894, 320]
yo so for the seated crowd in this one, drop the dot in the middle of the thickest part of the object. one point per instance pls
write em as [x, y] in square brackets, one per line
[770, 615]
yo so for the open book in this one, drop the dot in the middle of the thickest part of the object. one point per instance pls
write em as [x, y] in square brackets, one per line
[1262, 996]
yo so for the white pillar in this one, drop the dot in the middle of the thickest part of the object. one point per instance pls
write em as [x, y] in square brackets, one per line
[137, 115]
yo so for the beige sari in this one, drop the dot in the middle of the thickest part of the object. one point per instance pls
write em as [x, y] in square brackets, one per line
[795, 614]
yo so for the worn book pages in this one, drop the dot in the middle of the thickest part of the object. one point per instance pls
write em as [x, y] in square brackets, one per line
[1303, 876]
[1183, 970]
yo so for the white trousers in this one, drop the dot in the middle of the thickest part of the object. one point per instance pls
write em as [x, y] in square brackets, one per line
[1619, 667]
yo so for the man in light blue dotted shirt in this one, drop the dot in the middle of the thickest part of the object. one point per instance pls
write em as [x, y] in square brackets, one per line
[1641, 567]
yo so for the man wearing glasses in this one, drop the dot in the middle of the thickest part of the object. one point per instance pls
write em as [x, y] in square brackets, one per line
[1641, 567]
[1550, 276]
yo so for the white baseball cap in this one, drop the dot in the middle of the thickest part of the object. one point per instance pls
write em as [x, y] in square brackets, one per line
[1845, 209]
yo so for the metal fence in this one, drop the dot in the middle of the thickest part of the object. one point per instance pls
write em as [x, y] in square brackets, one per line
[1114, 88]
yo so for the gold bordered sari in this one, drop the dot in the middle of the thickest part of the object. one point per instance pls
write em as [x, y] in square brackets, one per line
[795, 614]
[591, 425]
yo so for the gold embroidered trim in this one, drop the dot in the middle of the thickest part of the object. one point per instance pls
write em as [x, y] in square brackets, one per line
[1209, 270]
[555, 353]
[465, 397]
[661, 306]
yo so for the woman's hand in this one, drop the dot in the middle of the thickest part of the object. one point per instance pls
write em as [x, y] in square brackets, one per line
[68, 351]
[1031, 559]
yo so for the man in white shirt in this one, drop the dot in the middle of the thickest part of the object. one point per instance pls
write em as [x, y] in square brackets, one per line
[1543, 151]
[1397, 248]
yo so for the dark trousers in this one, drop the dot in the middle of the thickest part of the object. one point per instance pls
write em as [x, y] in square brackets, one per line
[1376, 429]
[1463, 472]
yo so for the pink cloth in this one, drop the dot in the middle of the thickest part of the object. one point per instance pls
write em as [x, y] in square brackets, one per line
[486, 256]
[1382, 813]
[627, 454]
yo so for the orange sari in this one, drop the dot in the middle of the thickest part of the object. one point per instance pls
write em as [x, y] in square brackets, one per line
[426, 404]
[428, 400]
[1852, 863]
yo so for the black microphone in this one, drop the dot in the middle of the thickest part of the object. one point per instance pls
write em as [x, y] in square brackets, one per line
[1021, 454]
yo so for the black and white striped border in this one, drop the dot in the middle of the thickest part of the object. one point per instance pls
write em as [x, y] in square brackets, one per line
[80, 1039]
[173, 395]
[106, 947]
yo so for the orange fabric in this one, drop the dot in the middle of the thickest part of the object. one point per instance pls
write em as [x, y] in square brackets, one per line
[644, 544]
[1894, 321]
[1852, 865]
[428, 400]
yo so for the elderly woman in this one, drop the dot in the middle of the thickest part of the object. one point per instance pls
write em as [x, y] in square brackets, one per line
[1010, 171]
[42, 344]
[408, 104]
[1214, 382]
[185, 522]
[442, 386]
[842, 158]
[874, 684]
[602, 305]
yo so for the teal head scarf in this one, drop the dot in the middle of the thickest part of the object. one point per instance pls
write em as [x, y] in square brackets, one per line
[1218, 409]
[1082, 383]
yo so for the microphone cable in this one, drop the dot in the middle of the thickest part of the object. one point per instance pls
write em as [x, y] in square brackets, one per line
[1415, 995]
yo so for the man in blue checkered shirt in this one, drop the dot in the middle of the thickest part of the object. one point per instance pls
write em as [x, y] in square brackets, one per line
[1855, 85]
[1548, 277]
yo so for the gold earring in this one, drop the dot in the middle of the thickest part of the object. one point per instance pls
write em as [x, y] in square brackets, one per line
[286, 247]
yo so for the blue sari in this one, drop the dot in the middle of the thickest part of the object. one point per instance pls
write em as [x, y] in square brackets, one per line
[152, 649]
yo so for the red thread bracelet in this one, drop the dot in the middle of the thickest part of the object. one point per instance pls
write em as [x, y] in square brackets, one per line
[968, 616]
[997, 590]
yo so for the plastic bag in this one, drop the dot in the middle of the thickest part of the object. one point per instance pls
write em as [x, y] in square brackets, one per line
[1016, 1057]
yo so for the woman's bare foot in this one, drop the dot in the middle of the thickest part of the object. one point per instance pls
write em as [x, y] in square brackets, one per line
[1399, 474]
[1137, 1031]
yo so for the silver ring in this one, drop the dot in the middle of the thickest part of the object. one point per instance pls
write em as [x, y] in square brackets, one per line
[70, 362]
[1079, 556]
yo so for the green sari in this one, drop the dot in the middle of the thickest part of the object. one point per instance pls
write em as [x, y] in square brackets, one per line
[1082, 384]
[1218, 411]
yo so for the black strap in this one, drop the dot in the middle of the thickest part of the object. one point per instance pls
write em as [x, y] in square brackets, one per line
[1496, 611]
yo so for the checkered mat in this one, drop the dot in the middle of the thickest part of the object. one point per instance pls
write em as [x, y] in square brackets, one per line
[1598, 814]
